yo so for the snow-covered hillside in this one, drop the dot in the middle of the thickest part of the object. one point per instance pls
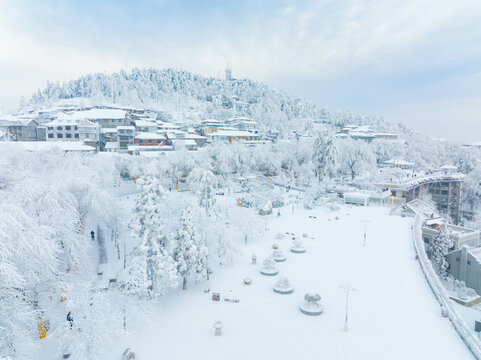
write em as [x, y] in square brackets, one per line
[190, 97]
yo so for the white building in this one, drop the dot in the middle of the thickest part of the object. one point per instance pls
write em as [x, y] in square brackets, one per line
[460, 236]
[65, 129]
[398, 164]
[356, 198]
[465, 265]
[145, 126]
[230, 135]
[106, 118]
[65, 146]
[243, 124]
[111, 146]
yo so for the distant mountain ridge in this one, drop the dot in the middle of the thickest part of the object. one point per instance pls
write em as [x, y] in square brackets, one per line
[191, 98]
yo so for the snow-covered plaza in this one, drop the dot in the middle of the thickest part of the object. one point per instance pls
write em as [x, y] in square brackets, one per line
[392, 314]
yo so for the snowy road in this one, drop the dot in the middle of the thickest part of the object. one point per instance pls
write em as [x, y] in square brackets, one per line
[393, 313]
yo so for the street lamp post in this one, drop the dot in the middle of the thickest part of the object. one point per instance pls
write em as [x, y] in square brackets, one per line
[365, 221]
[347, 289]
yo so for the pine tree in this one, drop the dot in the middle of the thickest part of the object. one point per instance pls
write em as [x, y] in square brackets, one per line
[190, 253]
[151, 266]
[441, 246]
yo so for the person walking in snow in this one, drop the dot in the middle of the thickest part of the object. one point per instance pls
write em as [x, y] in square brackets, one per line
[70, 318]
[92, 234]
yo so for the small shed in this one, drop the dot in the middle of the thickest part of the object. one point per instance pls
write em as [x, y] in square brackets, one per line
[356, 198]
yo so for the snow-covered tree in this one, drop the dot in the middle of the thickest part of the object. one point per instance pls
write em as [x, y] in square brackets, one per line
[325, 157]
[471, 194]
[440, 247]
[151, 267]
[202, 182]
[42, 249]
[190, 253]
[355, 157]
[247, 223]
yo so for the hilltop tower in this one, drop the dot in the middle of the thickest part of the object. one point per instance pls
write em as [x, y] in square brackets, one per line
[228, 72]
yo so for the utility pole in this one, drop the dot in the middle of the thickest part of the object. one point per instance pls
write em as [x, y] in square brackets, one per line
[347, 289]
[125, 256]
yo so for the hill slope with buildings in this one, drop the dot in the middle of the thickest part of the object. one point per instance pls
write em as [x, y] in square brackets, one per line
[191, 98]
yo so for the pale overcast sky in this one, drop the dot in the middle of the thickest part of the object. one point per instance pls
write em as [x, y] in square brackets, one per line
[414, 61]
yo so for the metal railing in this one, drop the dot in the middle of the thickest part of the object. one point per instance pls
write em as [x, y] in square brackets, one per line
[468, 336]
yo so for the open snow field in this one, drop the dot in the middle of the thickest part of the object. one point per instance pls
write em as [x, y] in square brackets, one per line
[392, 315]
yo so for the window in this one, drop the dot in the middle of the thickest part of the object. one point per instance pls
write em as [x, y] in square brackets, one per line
[50, 136]
[469, 262]
[50, 128]
[120, 120]
[141, 141]
[59, 136]
[76, 136]
[68, 127]
[150, 141]
[75, 127]
[59, 128]
[68, 136]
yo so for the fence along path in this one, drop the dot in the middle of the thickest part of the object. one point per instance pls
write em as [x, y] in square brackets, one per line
[468, 336]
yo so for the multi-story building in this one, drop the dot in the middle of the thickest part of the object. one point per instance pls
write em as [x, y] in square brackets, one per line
[143, 125]
[398, 164]
[66, 129]
[107, 135]
[443, 187]
[149, 139]
[125, 137]
[22, 129]
[243, 124]
[106, 118]
[459, 235]
[232, 135]
[465, 265]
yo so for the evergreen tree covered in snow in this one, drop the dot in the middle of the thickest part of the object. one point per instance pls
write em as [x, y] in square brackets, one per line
[202, 183]
[440, 247]
[151, 266]
[190, 253]
[325, 157]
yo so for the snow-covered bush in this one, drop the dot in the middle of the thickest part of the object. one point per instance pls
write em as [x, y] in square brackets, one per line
[283, 283]
[269, 263]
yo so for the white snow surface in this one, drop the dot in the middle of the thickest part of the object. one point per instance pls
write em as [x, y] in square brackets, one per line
[393, 314]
